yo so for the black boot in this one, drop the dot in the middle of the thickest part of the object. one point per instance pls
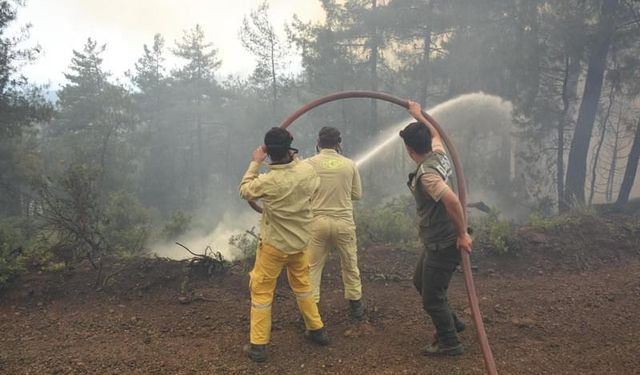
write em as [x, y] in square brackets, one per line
[356, 308]
[257, 353]
[459, 324]
[318, 336]
[437, 349]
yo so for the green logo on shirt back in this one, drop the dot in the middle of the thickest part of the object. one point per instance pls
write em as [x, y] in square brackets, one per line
[333, 163]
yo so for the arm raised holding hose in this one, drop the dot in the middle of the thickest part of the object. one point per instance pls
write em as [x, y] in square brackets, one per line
[436, 140]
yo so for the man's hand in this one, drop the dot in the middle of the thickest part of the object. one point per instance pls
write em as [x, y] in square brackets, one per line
[415, 110]
[464, 243]
[260, 154]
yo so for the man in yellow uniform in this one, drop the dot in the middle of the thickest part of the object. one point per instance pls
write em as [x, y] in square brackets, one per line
[333, 224]
[285, 231]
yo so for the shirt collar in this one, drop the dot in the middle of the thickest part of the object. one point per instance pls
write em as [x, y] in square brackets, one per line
[328, 151]
[283, 166]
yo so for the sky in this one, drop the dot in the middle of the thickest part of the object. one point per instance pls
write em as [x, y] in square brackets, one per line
[60, 26]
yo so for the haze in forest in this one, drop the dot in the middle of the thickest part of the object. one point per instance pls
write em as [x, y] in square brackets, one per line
[154, 107]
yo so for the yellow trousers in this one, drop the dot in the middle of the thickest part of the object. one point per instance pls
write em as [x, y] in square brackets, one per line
[263, 278]
[328, 232]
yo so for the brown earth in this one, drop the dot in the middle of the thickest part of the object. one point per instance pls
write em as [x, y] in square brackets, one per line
[566, 303]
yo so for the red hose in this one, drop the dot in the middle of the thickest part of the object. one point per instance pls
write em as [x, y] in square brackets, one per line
[487, 355]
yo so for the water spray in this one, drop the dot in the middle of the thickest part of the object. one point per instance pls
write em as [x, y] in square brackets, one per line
[489, 361]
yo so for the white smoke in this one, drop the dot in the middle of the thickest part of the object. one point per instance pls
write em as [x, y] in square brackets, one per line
[232, 223]
[475, 119]
[480, 111]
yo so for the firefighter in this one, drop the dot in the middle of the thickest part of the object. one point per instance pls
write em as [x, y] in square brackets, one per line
[333, 224]
[285, 231]
[442, 230]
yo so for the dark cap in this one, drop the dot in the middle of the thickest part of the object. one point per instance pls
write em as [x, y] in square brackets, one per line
[278, 142]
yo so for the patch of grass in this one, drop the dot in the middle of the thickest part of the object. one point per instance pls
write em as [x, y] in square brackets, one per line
[545, 223]
[55, 267]
[576, 214]
[495, 233]
[393, 222]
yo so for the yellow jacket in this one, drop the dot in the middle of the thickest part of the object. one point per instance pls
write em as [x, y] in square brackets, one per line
[339, 185]
[286, 192]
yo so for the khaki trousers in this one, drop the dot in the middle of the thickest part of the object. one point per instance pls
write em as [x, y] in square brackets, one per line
[339, 233]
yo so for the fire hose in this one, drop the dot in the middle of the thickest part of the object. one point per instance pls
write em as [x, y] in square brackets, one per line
[489, 361]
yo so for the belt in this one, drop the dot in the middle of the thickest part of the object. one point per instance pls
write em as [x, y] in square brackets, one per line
[436, 246]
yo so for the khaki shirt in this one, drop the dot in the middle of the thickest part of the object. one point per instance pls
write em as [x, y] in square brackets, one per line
[339, 185]
[286, 192]
[434, 185]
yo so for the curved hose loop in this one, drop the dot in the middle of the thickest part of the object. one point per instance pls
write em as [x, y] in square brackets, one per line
[489, 361]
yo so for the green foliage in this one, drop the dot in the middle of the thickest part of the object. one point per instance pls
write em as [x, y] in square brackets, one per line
[496, 234]
[23, 245]
[86, 225]
[180, 139]
[11, 242]
[259, 37]
[547, 222]
[127, 224]
[247, 243]
[55, 267]
[393, 222]
[576, 212]
[177, 225]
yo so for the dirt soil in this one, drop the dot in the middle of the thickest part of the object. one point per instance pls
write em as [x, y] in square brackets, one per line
[547, 311]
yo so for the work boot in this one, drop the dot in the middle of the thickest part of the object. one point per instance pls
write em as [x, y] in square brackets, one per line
[436, 349]
[257, 353]
[460, 326]
[318, 336]
[356, 308]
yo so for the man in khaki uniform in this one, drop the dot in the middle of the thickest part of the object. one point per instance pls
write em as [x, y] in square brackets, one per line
[285, 231]
[333, 224]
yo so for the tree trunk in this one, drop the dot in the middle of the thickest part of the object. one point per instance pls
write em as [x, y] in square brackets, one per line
[577, 165]
[630, 170]
[274, 82]
[614, 161]
[426, 52]
[373, 64]
[569, 95]
[596, 155]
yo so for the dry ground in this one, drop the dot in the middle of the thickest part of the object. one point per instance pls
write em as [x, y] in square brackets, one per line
[545, 313]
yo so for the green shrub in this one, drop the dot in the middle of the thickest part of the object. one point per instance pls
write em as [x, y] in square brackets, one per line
[10, 253]
[393, 222]
[55, 267]
[495, 233]
[547, 222]
[177, 225]
[127, 224]
[247, 243]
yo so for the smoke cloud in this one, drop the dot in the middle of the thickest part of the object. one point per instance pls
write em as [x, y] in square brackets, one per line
[232, 223]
